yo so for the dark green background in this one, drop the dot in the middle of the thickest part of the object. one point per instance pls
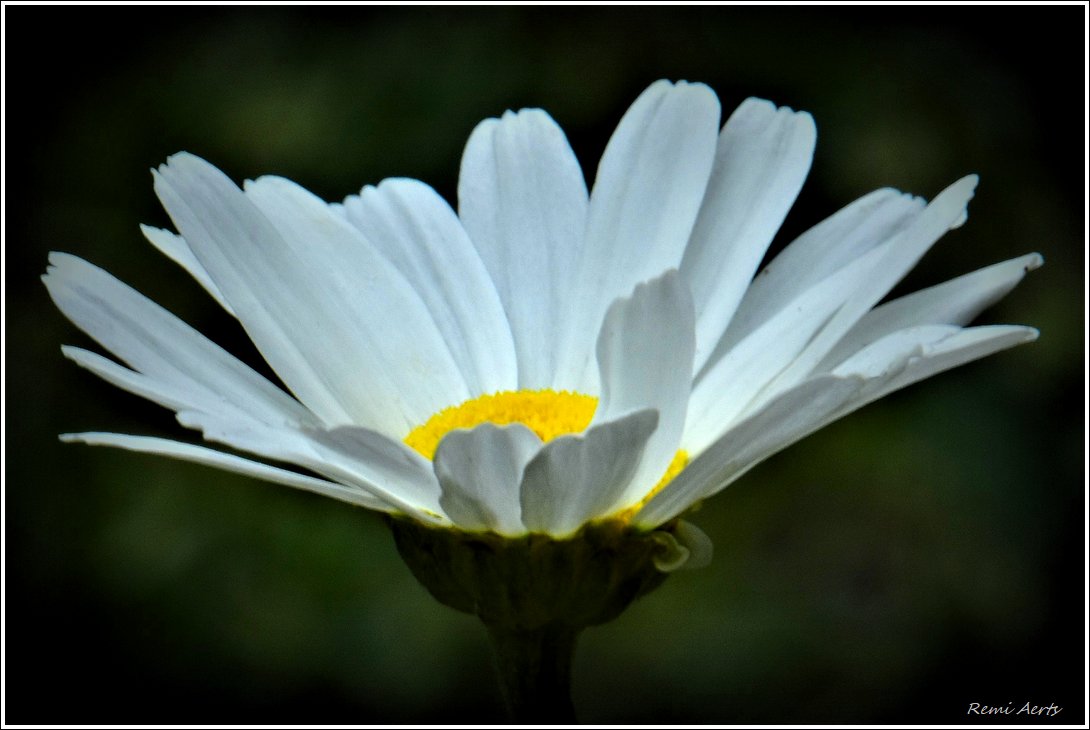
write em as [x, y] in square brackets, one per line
[923, 554]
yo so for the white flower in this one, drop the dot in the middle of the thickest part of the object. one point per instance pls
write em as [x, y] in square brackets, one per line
[543, 358]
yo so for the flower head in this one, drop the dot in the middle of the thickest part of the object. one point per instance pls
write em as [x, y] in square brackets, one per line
[543, 358]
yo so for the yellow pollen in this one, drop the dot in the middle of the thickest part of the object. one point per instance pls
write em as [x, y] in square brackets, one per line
[679, 462]
[548, 413]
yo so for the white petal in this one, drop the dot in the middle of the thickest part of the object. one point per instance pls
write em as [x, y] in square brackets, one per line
[409, 224]
[389, 471]
[480, 471]
[901, 254]
[574, 479]
[383, 463]
[161, 346]
[903, 358]
[762, 158]
[177, 250]
[957, 301]
[783, 421]
[523, 201]
[228, 462]
[729, 388]
[813, 404]
[388, 468]
[894, 350]
[169, 396]
[393, 478]
[645, 356]
[645, 200]
[933, 357]
[817, 254]
[388, 362]
[338, 323]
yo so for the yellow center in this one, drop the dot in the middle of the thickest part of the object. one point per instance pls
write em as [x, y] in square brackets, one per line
[548, 413]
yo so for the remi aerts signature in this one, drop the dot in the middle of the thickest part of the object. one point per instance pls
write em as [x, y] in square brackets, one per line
[976, 708]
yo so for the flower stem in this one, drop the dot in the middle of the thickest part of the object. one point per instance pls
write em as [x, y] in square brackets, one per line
[534, 667]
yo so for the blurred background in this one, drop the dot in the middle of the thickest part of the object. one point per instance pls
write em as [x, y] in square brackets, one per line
[923, 554]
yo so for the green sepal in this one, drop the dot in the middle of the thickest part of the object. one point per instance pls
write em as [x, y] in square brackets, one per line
[529, 582]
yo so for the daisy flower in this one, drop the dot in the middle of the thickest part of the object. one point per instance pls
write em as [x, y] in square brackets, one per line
[543, 358]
